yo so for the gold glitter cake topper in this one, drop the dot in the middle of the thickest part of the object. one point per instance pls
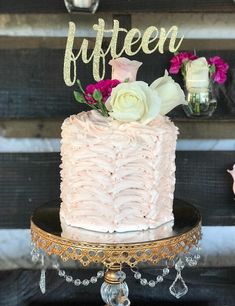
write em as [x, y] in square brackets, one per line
[133, 38]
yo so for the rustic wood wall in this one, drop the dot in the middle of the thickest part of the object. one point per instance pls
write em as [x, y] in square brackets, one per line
[34, 101]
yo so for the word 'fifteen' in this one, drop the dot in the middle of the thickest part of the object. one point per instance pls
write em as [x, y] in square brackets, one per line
[151, 41]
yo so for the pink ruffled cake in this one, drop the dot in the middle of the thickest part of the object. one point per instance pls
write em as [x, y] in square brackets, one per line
[118, 160]
[117, 176]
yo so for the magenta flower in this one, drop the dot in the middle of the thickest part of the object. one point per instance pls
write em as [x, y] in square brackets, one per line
[220, 69]
[179, 59]
[104, 86]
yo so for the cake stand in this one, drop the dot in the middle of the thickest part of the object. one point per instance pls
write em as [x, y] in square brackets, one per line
[171, 245]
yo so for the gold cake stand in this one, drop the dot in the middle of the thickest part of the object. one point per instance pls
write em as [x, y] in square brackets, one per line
[168, 242]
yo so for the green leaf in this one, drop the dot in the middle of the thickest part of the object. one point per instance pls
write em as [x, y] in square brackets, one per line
[79, 97]
[97, 95]
[105, 111]
[126, 80]
[212, 69]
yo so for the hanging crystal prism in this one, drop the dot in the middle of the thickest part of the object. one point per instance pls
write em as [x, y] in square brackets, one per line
[178, 287]
[42, 282]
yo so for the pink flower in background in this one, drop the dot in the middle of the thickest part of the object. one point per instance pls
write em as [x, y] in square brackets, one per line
[221, 68]
[179, 59]
[232, 172]
[124, 69]
[104, 86]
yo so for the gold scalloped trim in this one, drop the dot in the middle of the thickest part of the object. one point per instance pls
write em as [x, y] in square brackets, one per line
[109, 254]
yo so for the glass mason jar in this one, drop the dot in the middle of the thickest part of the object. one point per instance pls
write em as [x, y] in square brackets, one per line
[201, 102]
[81, 6]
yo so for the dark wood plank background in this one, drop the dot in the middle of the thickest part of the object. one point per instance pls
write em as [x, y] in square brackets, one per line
[122, 6]
[32, 83]
[28, 180]
[33, 102]
[207, 287]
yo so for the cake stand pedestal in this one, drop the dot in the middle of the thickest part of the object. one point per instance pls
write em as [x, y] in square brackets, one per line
[171, 245]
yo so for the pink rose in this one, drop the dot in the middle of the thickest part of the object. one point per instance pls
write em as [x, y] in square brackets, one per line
[221, 68]
[124, 69]
[104, 86]
[179, 59]
[232, 172]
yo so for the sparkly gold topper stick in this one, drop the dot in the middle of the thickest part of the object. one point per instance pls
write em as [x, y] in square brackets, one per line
[151, 34]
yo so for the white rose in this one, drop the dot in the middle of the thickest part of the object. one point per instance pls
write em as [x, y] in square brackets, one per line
[197, 75]
[170, 93]
[134, 101]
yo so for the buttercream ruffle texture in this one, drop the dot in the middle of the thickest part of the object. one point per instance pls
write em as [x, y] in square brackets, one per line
[117, 176]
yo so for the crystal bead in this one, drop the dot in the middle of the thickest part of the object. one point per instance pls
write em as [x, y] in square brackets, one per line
[143, 281]
[115, 295]
[121, 276]
[35, 257]
[179, 265]
[85, 282]
[165, 271]
[93, 279]
[68, 278]
[55, 265]
[77, 282]
[100, 274]
[197, 256]
[33, 251]
[137, 275]
[188, 259]
[159, 279]
[178, 287]
[191, 263]
[61, 273]
[152, 283]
